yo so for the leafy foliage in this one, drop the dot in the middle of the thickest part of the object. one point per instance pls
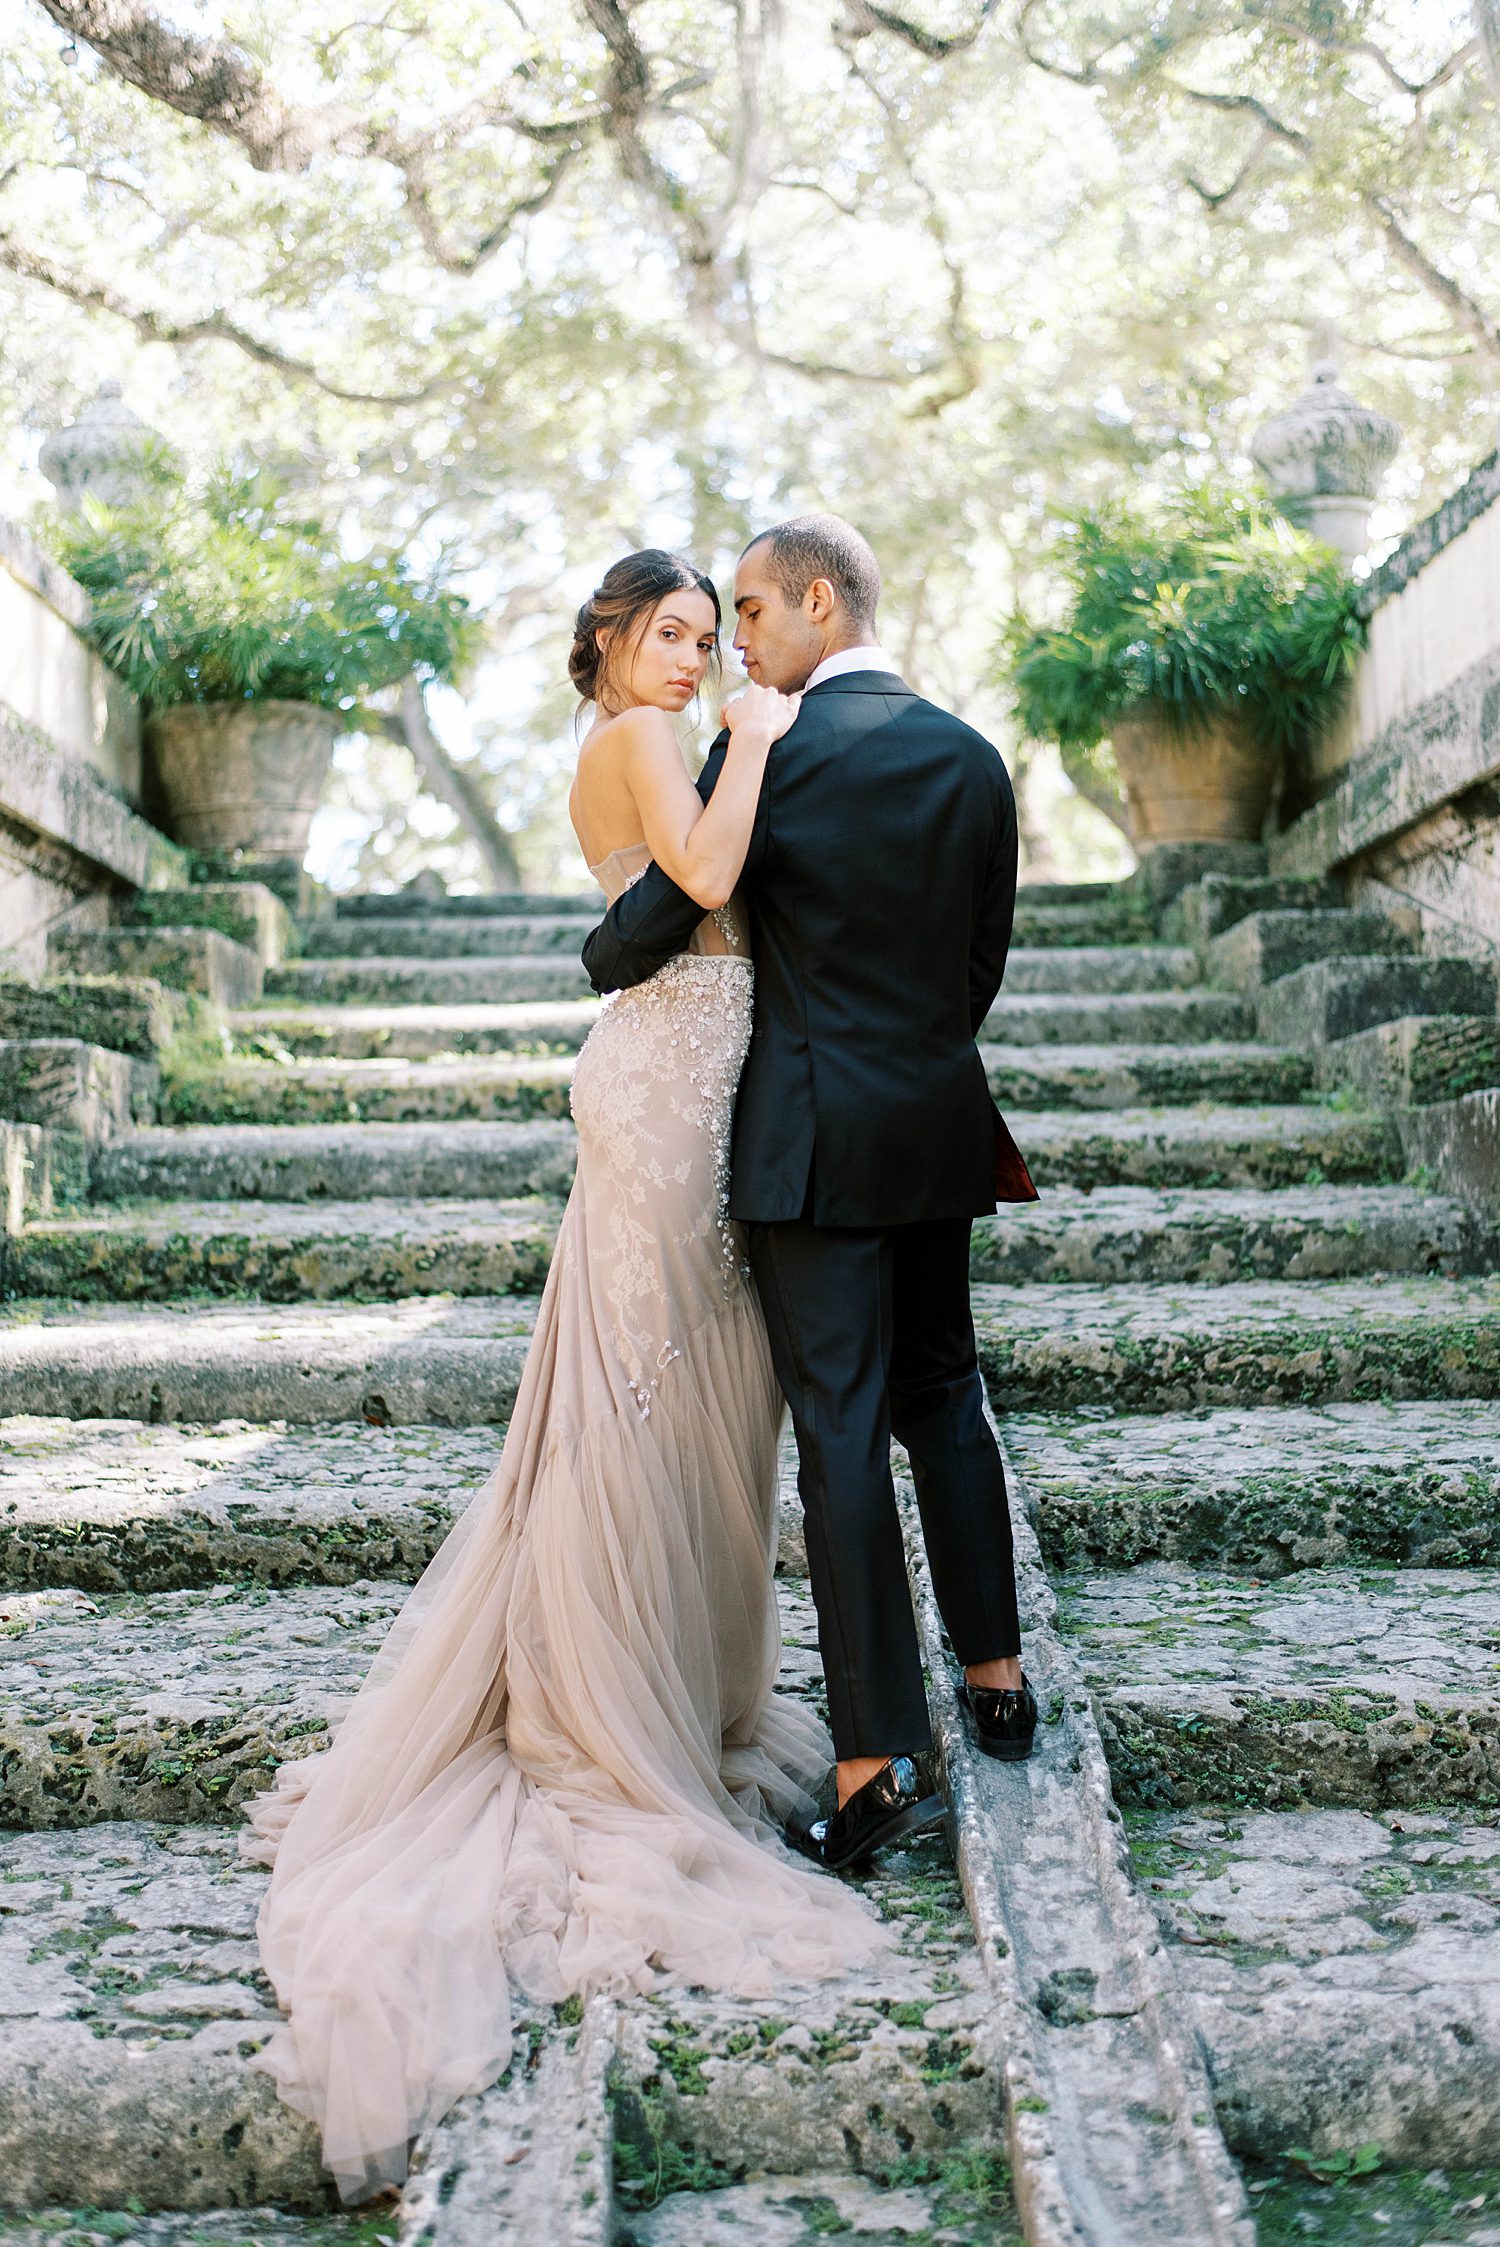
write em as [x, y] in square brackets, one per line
[1211, 602]
[232, 594]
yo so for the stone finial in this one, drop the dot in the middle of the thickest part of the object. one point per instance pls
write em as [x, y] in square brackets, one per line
[102, 455]
[1324, 459]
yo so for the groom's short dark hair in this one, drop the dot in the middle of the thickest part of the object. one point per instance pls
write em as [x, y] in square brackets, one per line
[812, 546]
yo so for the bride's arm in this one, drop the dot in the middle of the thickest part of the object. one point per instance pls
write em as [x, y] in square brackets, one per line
[702, 847]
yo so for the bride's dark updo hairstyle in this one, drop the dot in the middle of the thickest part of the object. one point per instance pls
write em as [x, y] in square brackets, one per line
[621, 605]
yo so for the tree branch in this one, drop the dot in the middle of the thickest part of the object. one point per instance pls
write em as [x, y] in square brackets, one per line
[214, 327]
[1466, 312]
[454, 787]
[465, 262]
[864, 17]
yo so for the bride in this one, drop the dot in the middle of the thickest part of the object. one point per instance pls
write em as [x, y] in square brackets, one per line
[567, 1769]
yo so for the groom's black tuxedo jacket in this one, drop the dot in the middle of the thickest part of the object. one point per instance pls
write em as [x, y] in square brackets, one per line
[881, 881]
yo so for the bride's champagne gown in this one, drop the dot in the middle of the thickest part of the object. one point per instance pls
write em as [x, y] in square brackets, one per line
[565, 1768]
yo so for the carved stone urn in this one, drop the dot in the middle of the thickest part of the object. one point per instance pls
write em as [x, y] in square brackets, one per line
[1210, 782]
[106, 454]
[245, 777]
[1323, 460]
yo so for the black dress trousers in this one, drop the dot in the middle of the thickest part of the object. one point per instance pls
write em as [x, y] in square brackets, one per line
[872, 1336]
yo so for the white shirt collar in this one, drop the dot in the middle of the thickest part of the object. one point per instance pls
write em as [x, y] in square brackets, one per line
[867, 658]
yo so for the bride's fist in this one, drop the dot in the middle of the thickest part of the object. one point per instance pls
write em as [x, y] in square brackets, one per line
[762, 710]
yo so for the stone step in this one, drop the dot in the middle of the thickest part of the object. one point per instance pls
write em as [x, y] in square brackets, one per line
[287, 1252]
[120, 1506]
[134, 2007]
[1152, 1350]
[185, 959]
[428, 1358]
[411, 1033]
[502, 905]
[1137, 1234]
[1263, 947]
[246, 912]
[130, 1015]
[523, 1085]
[1119, 1018]
[1206, 1146]
[517, 977]
[446, 937]
[1268, 1489]
[1073, 893]
[338, 1162]
[295, 1092]
[1104, 921]
[375, 1249]
[1343, 1971]
[509, 979]
[455, 1362]
[1347, 1688]
[1208, 907]
[1225, 1072]
[973, 2207]
[1334, 998]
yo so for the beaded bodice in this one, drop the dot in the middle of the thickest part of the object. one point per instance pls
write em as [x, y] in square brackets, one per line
[653, 1099]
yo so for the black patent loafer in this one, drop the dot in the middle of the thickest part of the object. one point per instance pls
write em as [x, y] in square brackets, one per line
[900, 1799]
[1004, 1721]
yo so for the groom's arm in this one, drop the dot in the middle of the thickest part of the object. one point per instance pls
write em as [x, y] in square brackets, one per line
[997, 909]
[653, 920]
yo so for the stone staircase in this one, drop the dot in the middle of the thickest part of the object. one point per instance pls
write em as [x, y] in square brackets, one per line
[1243, 1905]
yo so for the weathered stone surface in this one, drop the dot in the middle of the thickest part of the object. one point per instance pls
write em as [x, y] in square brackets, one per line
[1091, 969]
[1269, 1489]
[1343, 1970]
[220, 2227]
[1264, 946]
[1136, 1233]
[289, 1252]
[1338, 1687]
[374, 1091]
[1198, 914]
[1170, 868]
[135, 1015]
[118, 1506]
[178, 1705]
[132, 2003]
[246, 912]
[336, 1162]
[70, 1086]
[508, 978]
[1143, 1349]
[186, 959]
[1335, 998]
[1144, 1076]
[1416, 1060]
[1256, 1147]
[449, 936]
[412, 1033]
[1120, 918]
[427, 1359]
[1457, 1144]
[800, 2210]
[1129, 1017]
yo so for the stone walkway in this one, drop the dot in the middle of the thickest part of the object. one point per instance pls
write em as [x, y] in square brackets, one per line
[1238, 1920]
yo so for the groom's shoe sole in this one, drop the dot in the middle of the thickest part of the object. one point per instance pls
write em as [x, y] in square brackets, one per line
[930, 1811]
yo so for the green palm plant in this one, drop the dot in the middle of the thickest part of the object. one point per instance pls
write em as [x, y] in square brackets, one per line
[231, 594]
[1212, 603]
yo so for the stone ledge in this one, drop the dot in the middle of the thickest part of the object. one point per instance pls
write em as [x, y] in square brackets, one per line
[70, 1086]
[1445, 746]
[24, 559]
[67, 802]
[1478, 491]
[130, 1014]
[1459, 1142]
[1416, 1060]
[189, 959]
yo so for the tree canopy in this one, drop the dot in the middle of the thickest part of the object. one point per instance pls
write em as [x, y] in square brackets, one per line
[537, 280]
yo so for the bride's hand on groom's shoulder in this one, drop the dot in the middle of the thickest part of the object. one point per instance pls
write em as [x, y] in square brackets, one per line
[761, 711]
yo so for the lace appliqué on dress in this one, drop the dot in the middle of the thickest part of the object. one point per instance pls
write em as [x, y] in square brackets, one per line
[654, 1093]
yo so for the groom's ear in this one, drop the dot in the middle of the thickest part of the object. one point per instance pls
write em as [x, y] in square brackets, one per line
[820, 600]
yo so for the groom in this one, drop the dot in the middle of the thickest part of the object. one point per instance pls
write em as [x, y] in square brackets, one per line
[881, 884]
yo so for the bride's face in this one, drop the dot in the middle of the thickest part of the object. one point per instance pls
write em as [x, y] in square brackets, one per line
[671, 657]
